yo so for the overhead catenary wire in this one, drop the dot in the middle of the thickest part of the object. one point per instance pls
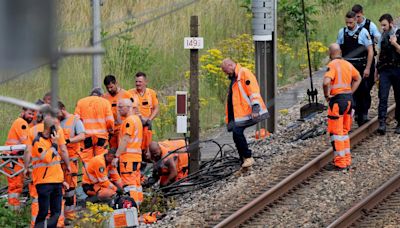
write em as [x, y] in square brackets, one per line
[148, 21]
[108, 37]
[126, 18]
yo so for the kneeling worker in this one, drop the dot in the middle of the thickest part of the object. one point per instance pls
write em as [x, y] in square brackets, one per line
[171, 167]
[100, 179]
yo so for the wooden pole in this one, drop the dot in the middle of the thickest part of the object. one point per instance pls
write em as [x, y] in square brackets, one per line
[194, 100]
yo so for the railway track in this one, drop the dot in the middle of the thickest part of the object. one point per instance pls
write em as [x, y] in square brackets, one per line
[380, 208]
[269, 197]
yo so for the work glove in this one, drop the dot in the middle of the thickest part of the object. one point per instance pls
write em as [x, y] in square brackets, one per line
[120, 191]
[115, 162]
[255, 111]
[230, 126]
[148, 124]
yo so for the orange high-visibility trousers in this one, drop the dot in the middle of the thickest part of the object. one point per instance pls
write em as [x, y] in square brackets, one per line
[130, 175]
[72, 181]
[93, 146]
[15, 185]
[147, 137]
[339, 124]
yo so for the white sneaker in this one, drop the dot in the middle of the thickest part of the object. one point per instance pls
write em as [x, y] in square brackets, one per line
[248, 162]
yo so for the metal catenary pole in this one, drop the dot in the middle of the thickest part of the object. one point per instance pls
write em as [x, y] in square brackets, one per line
[264, 35]
[194, 99]
[96, 71]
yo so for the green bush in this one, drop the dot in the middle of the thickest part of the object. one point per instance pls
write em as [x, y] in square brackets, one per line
[9, 218]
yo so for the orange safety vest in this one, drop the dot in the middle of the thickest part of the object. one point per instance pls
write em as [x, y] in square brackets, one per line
[181, 160]
[122, 94]
[342, 73]
[96, 115]
[18, 134]
[69, 132]
[146, 102]
[45, 162]
[132, 126]
[98, 173]
[245, 94]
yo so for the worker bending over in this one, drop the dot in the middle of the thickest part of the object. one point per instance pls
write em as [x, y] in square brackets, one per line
[100, 179]
[171, 160]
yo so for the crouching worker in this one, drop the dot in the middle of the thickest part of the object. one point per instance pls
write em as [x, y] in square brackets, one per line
[101, 180]
[170, 159]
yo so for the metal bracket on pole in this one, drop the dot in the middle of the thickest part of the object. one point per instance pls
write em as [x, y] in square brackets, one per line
[11, 160]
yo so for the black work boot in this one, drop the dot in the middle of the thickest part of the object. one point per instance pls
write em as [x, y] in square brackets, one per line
[397, 131]
[382, 127]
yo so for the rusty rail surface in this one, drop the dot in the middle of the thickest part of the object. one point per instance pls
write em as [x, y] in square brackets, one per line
[368, 203]
[299, 176]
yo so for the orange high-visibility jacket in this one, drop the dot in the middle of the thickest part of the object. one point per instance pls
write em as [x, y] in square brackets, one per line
[122, 94]
[46, 161]
[98, 173]
[181, 160]
[69, 132]
[342, 74]
[19, 133]
[146, 102]
[133, 127]
[245, 94]
[96, 115]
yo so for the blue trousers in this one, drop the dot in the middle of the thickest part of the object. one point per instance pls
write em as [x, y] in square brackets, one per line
[49, 197]
[241, 142]
[389, 77]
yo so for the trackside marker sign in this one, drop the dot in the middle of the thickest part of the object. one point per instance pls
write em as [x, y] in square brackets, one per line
[193, 43]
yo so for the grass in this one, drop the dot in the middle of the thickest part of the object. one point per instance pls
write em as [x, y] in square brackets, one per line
[164, 38]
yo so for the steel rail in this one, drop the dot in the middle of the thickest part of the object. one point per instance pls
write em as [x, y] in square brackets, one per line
[298, 177]
[368, 203]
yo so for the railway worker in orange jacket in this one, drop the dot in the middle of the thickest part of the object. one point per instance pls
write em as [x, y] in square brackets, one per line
[18, 134]
[47, 173]
[340, 82]
[245, 106]
[96, 115]
[147, 105]
[114, 95]
[100, 179]
[129, 153]
[74, 134]
[170, 167]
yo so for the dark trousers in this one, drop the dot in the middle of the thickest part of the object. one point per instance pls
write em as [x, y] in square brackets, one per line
[50, 197]
[241, 142]
[388, 77]
[362, 96]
